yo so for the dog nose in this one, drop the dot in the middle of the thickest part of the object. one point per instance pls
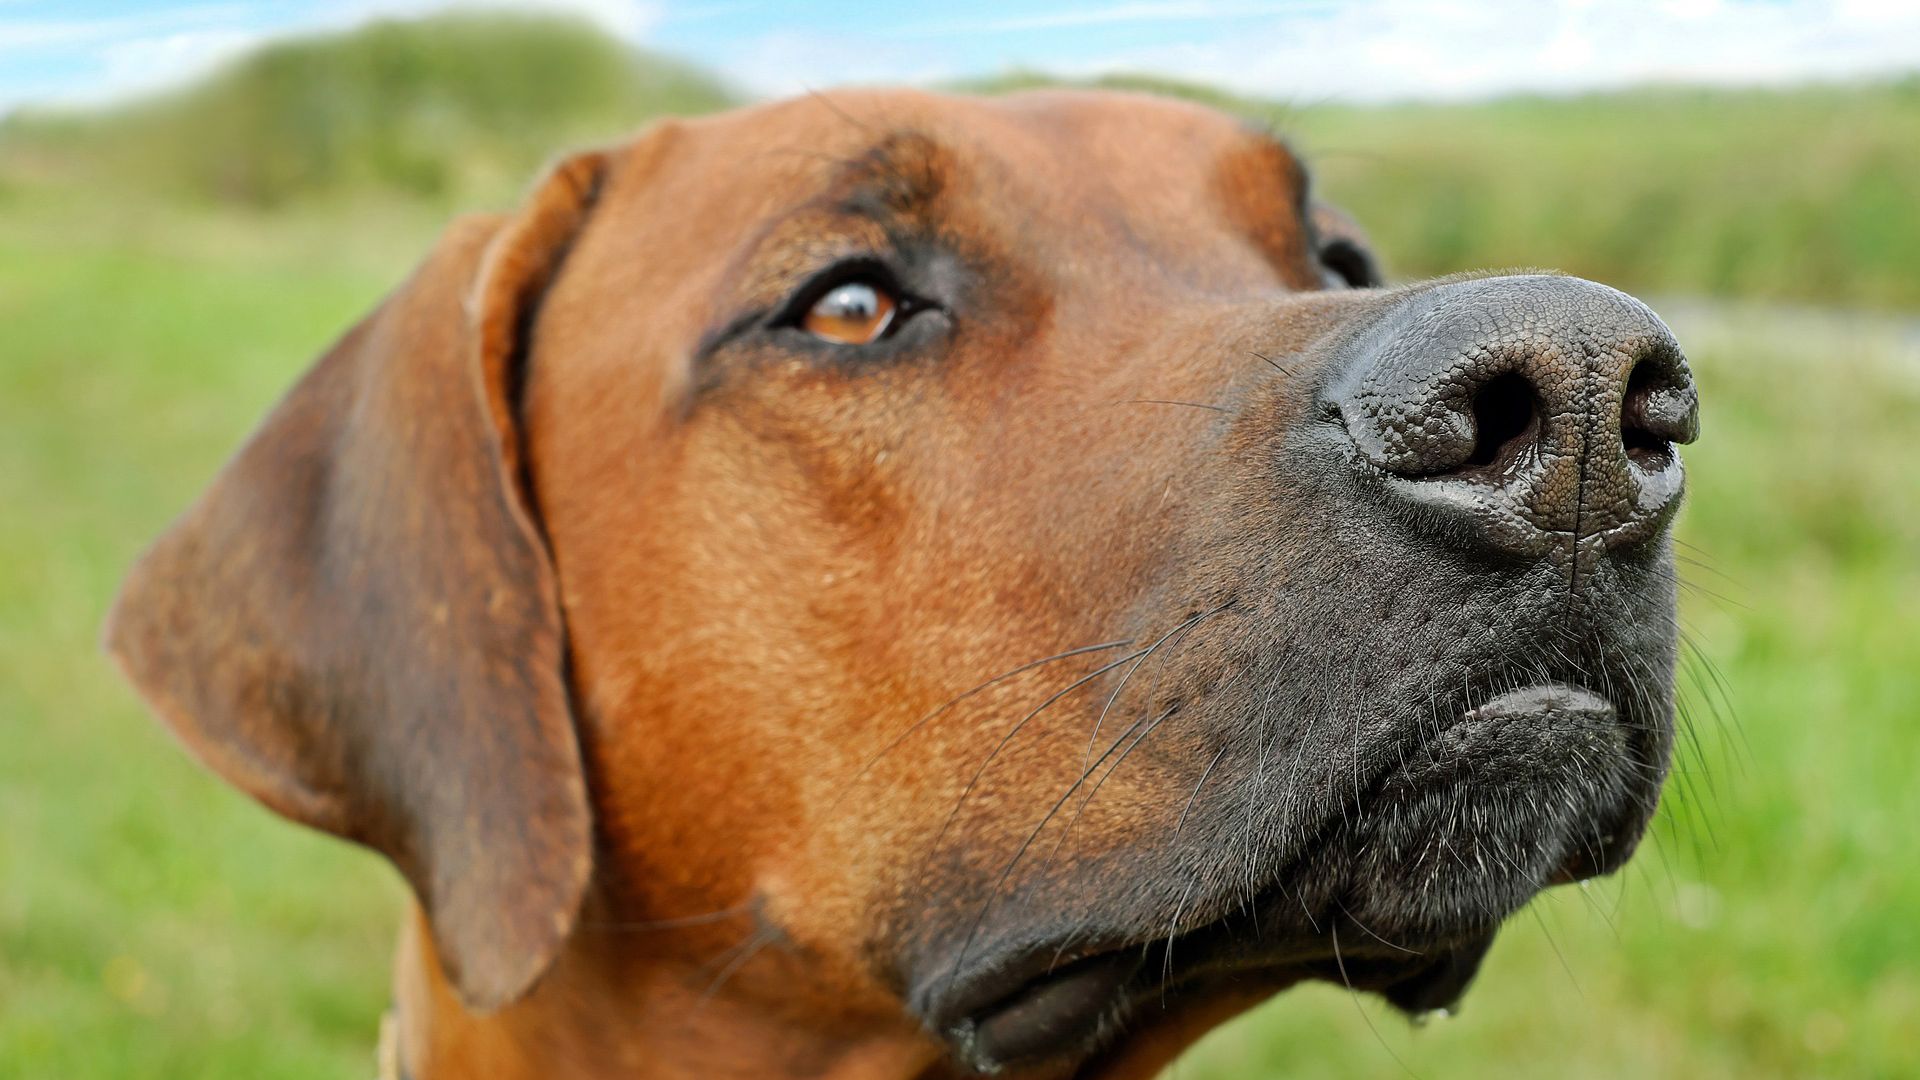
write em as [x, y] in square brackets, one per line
[1543, 409]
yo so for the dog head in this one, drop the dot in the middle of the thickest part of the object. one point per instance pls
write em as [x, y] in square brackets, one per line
[1011, 554]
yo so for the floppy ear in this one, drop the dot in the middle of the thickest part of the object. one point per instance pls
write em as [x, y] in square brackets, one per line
[358, 625]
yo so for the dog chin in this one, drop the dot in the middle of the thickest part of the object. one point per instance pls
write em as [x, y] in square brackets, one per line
[1531, 788]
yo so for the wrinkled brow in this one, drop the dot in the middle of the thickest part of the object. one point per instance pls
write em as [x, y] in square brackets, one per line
[882, 196]
[898, 179]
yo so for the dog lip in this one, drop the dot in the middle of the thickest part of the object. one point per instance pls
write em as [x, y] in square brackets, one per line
[1040, 1006]
[1060, 1008]
[1544, 699]
[1532, 733]
[1530, 727]
[1033, 1012]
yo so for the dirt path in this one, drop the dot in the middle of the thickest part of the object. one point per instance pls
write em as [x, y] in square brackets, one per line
[1888, 340]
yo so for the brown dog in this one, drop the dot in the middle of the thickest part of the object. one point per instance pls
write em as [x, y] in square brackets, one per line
[901, 585]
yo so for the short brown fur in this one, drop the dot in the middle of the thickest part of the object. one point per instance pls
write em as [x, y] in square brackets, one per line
[530, 578]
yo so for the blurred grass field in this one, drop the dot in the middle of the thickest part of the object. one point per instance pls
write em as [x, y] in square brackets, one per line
[154, 923]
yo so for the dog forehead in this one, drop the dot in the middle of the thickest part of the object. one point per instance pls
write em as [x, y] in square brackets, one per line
[1055, 172]
[1090, 132]
[1097, 192]
[723, 176]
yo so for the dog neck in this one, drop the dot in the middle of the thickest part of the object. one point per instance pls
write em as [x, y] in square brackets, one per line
[617, 1010]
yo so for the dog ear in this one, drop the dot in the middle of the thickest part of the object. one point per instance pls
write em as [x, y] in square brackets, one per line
[358, 624]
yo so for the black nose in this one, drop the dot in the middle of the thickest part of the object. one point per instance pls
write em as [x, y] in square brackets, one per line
[1543, 409]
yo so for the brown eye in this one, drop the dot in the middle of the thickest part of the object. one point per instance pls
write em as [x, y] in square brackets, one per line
[856, 313]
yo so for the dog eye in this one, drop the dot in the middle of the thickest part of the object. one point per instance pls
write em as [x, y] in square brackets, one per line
[854, 313]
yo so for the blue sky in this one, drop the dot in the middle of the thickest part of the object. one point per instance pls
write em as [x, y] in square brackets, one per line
[78, 51]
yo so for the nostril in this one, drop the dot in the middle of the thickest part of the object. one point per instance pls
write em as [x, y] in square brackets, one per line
[1645, 446]
[1505, 417]
[1526, 415]
[1645, 449]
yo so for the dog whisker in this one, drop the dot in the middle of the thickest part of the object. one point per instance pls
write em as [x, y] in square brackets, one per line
[1193, 624]
[1534, 910]
[738, 957]
[1166, 956]
[1201, 783]
[1170, 401]
[1353, 995]
[974, 780]
[1275, 365]
[993, 893]
[1140, 658]
[964, 695]
[1085, 773]
[678, 922]
[1365, 929]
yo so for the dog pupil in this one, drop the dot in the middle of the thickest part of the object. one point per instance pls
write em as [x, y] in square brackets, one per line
[853, 314]
[853, 303]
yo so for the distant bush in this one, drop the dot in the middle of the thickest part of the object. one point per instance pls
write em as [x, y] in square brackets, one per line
[1809, 193]
[431, 107]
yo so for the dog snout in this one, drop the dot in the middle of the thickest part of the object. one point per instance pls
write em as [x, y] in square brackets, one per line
[1544, 409]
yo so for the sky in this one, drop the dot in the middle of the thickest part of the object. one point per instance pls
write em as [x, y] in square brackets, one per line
[89, 51]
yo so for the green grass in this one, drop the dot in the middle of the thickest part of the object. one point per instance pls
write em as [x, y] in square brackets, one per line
[155, 923]
[1769, 930]
[1804, 193]
[152, 923]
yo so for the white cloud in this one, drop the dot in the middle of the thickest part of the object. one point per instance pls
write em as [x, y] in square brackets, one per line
[630, 19]
[1384, 49]
[140, 64]
[18, 34]
[1289, 49]
[1171, 10]
[782, 63]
